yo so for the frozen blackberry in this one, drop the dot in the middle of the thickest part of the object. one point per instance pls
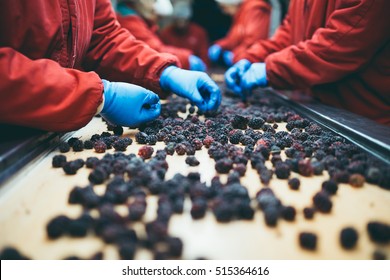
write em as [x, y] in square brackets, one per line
[208, 140]
[175, 246]
[141, 138]
[266, 176]
[357, 180]
[256, 123]
[377, 255]
[57, 227]
[145, 152]
[170, 148]
[78, 145]
[88, 145]
[180, 149]
[120, 145]
[58, 161]
[318, 167]
[294, 183]
[240, 168]
[10, 253]
[305, 168]
[308, 213]
[314, 129]
[199, 207]
[152, 139]
[223, 212]
[100, 146]
[224, 165]
[91, 162]
[235, 136]
[239, 122]
[64, 147]
[379, 232]
[330, 186]
[197, 144]
[271, 216]
[98, 176]
[72, 140]
[288, 213]
[322, 202]
[348, 238]
[78, 227]
[282, 170]
[71, 167]
[127, 251]
[246, 140]
[308, 240]
[192, 161]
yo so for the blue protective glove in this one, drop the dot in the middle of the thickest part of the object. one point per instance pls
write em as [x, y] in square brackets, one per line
[129, 105]
[196, 86]
[255, 76]
[215, 52]
[228, 57]
[234, 74]
[196, 63]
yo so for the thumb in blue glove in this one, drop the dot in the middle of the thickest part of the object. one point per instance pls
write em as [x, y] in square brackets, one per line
[228, 57]
[234, 74]
[196, 63]
[255, 76]
[215, 52]
[196, 86]
[129, 105]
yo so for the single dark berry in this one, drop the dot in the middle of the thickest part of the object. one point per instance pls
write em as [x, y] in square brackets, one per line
[58, 161]
[72, 140]
[91, 162]
[379, 232]
[88, 145]
[322, 202]
[308, 240]
[57, 227]
[120, 145]
[100, 146]
[348, 238]
[71, 167]
[181, 149]
[118, 130]
[256, 123]
[330, 186]
[175, 246]
[223, 166]
[192, 161]
[288, 213]
[141, 138]
[208, 140]
[294, 183]
[64, 147]
[10, 253]
[78, 145]
[239, 122]
[98, 176]
[198, 209]
[145, 152]
[282, 170]
[308, 212]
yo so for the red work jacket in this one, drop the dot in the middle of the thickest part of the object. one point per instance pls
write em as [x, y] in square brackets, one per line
[194, 39]
[53, 55]
[250, 24]
[338, 48]
[147, 32]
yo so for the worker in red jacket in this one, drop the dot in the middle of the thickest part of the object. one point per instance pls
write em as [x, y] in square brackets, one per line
[251, 19]
[139, 17]
[338, 49]
[183, 33]
[57, 58]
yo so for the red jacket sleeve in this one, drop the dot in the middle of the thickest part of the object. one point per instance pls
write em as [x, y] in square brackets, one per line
[261, 49]
[44, 95]
[250, 25]
[352, 35]
[117, 56]
[140, 30]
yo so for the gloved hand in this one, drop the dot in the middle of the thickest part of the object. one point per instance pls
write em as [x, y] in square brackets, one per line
[234, 74]
[255, 76]
[196, 86]
[228, 58]
[129, 105]
[196, 63]
[215, 52]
